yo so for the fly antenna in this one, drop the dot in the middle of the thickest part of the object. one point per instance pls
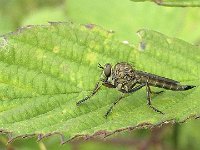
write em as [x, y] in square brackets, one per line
[100, 66]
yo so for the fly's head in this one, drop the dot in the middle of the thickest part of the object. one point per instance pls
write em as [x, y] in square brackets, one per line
[107, 72]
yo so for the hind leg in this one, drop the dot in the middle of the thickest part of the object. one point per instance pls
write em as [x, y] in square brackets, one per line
[148, 91]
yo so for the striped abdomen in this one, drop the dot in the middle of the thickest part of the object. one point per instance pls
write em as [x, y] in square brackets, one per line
[161, 82]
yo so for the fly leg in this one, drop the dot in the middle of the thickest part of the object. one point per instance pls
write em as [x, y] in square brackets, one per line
[156, 93]
[148, 90]
[135, 88]
[111, 107]
[108, 84]
[97, 87]
[121, 97]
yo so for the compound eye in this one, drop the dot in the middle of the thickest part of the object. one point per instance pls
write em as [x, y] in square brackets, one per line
[107, 70]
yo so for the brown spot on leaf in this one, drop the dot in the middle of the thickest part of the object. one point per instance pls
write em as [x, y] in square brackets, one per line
[90, 26]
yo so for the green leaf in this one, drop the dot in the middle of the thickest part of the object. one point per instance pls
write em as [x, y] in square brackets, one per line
[127, 17]
[175, 3]
[45, 70]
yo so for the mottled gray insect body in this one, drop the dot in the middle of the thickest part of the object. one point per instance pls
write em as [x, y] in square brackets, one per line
[126, 79]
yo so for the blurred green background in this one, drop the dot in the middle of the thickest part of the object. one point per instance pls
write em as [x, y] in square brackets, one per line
[125, 18]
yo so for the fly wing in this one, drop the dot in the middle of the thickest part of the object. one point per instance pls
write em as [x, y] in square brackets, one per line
[156, 77]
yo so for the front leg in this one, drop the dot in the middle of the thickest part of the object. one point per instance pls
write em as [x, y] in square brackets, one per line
[108, 84]
[97, 87]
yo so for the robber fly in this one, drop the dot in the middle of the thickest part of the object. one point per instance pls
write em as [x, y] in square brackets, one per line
[126, 79]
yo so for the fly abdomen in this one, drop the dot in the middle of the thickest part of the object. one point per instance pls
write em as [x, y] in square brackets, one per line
[170, 85]
[184, 87]
[161, 82]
